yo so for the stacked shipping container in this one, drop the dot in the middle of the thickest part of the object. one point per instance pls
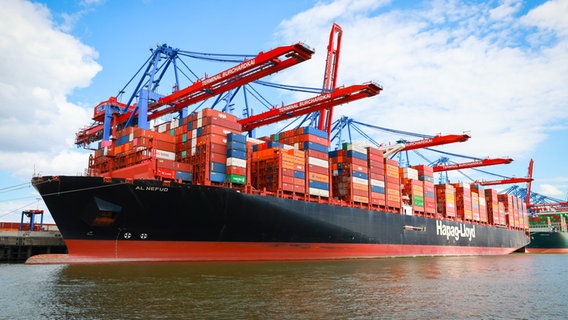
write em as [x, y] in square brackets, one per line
[207, 147]
[376, 168]
[463, 201]
[426, 175]
[446, 200]
[413, 189]
[392, 184]
[350, 173]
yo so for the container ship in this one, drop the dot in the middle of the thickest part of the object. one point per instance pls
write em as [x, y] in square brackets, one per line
[199, 188]
[548, 233]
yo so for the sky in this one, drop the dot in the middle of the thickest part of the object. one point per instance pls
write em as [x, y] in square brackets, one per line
[497, 70]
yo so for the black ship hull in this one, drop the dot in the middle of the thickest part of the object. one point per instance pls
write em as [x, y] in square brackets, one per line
[133, 220]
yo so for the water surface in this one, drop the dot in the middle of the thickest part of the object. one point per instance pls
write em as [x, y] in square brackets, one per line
[518, 286]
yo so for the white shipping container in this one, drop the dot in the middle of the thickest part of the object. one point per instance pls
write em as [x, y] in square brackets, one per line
[360, 181]
[410, 173]
[318, 162]
[236, 162]
[162, 127]
[357, 148]
[377, 183]
[319, 192]
[255, 141]
[166, 155]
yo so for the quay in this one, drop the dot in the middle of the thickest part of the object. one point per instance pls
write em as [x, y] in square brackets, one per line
[19, 241]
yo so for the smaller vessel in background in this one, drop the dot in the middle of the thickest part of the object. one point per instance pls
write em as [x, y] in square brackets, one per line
[548, 233]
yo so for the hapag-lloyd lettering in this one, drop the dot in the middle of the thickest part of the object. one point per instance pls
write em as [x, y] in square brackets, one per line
[455, 232]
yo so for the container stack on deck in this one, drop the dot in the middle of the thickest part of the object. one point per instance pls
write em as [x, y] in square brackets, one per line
[376, 165]
[208, 147]
[392, 184]
[426, 175]
[463, 201]
[350, 179]
[446, 200]
[478, 196]
[236, 169]
[494, 215]
[209, 144]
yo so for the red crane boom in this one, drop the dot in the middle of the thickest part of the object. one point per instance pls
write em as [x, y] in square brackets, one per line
[435, 141]
[528, 180]
[324, 101]
[472, 164]
[243, 73]
[330, 75]
[250, 70]
[504, 181]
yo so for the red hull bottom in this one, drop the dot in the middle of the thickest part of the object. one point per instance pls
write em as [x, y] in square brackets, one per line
[88, 251]
[546, 250]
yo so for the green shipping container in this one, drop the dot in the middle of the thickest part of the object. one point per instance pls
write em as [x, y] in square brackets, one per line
[236, 179]
[418, 201]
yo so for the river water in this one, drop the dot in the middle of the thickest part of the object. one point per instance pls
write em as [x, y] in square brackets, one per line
[517, 286]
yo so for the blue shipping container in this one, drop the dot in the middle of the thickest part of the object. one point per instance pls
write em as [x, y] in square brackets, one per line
[319, 185]
[236, 138]
[315, 146]
[236, 145]
[218, 167]
[356, 154]
[217, 177]
[185, 176]
[236, 154]
[378, 189]
[362, 175]
[315, 132]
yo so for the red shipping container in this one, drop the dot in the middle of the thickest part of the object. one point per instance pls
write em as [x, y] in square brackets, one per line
[166, 173]
[218, 157]
[317, 169]
[236, 170]
[206, 112]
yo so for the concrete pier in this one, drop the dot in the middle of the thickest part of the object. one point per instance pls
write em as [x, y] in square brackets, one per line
[17, 246]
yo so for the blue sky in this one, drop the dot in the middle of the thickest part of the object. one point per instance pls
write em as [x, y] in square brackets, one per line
[497, 69]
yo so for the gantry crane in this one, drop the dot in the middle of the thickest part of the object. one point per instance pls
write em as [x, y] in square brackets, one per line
[321, 102]
[401, 145]
[528, 179]
[330, 75]
[151, 105]
[112, 115]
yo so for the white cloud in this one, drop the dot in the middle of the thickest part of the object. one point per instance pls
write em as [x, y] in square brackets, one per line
[448, 68]
[550, 190]
[40, 67]
[549, 16]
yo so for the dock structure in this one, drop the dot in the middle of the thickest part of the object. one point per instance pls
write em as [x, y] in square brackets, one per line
[17, 246]
[19, 241]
